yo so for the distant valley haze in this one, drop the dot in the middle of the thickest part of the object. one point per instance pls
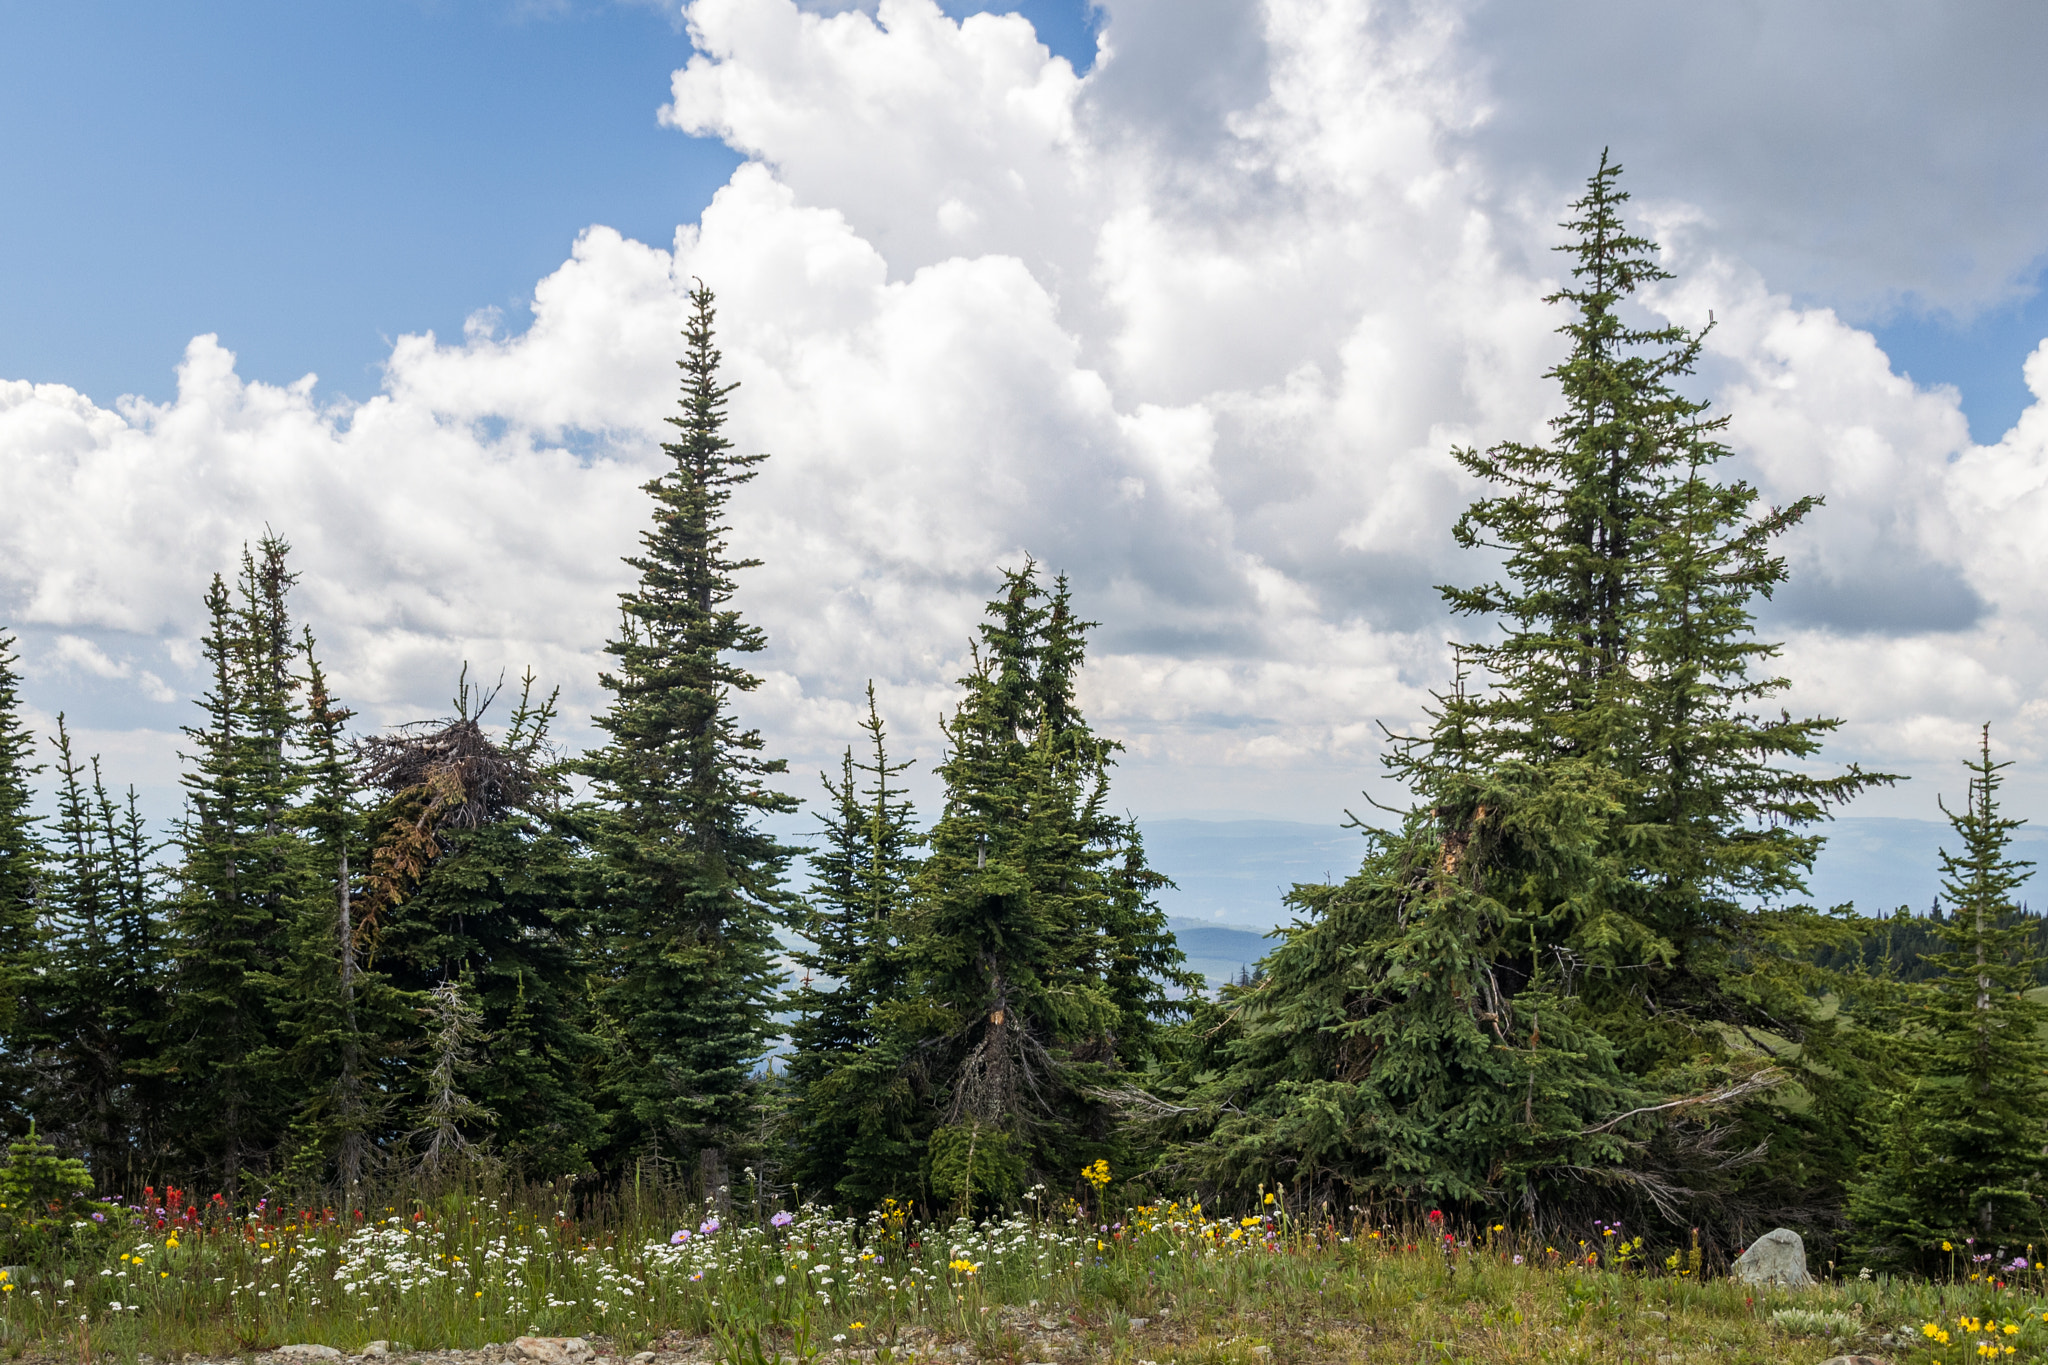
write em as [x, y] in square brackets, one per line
[1230, 876]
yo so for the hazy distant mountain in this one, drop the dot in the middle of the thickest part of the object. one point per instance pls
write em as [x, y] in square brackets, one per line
[1231, 874]
[1234, 872]
[1217, 951]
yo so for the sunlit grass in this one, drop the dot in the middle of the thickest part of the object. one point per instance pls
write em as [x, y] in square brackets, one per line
[1058, 1279]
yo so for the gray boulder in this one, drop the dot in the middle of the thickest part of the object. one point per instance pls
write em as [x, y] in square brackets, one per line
[1778, 1257]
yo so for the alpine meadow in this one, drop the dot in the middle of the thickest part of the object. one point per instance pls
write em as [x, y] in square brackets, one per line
[437, 1036]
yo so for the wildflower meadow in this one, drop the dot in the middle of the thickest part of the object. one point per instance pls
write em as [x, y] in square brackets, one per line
[1081, 1276]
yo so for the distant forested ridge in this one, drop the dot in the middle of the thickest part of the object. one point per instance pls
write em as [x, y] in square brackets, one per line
[1577, 973]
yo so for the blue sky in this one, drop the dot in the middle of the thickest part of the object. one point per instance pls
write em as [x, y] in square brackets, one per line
[1979, 354]
[312, 179]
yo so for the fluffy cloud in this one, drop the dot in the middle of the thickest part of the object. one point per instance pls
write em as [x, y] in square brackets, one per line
[1199, 329]
[1861, 151]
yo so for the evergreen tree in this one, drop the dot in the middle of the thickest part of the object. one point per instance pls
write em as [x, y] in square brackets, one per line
[243, 875]
[140, 975]
[80, 1056]
[850, 1101]
[89, 1002]
[1033, 950]
[20, 864]
[690, 883]
[342, 1026]
[476, 898]
[1566, 911]
[1961, 1159]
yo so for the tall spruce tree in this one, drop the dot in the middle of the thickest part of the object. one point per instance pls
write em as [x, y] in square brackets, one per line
[691, 884]
[243, 874]
[850, 1109]
[1036, 960]
[1961, 1159]
[20, 871]
[1566, 916]
[81, 1057]
[94, 992]
[342, 1027]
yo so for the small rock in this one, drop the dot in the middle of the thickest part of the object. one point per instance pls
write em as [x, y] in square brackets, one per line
[1852, 1360]
[554, 1350]
[1048, 1324]
[1654, 1316]
[1777, 1257]
[1136, 1323]
[300, 1350]
[644, 1358]
[1262, 1350]
[376, 1348]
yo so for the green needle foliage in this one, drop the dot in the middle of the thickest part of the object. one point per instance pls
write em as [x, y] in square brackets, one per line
[691, 885]
[97, 991]
[1961, 1155]
[20, 858]
[244, 874]
[493, 906]
[1562, 931]
[1041, 968]
[340, 1022]
[850, 1107]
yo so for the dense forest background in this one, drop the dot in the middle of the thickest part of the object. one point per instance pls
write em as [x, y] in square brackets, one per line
[1578, 971]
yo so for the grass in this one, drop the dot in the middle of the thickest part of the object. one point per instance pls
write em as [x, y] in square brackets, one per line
[1148, 1285]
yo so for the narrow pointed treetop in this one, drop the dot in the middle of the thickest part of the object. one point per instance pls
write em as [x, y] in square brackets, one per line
[692, 884]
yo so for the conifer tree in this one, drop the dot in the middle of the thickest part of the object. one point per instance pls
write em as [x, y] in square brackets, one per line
[690, 881]
[1593, 821]
[1961, 1158]
[20, 861]
[476, 893]
[1033, 947]
[850, 1101]
[243, 875]
[341, 1024]
[94, 991]
[81, 1053]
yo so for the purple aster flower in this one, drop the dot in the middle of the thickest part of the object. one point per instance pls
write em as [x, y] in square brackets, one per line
[708, 1226]
[783, 1219]
[682, 1236]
